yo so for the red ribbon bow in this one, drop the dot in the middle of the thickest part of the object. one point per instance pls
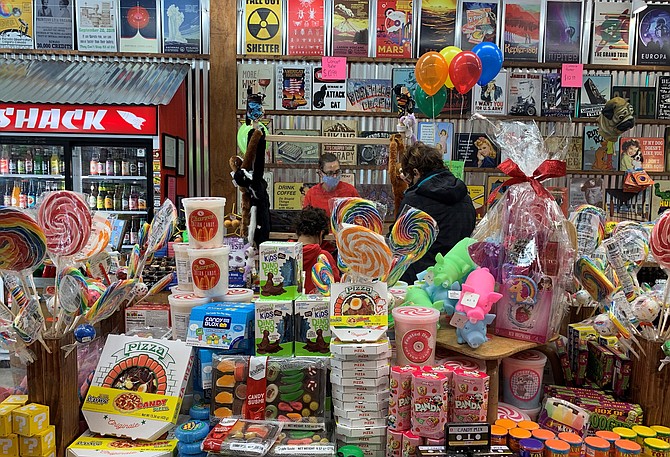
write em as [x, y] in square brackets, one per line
[548, 169]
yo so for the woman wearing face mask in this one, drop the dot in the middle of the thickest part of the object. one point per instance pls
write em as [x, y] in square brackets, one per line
[435, 190]
[330, 186]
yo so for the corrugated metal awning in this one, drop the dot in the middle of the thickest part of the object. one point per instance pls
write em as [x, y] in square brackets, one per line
[89, 82]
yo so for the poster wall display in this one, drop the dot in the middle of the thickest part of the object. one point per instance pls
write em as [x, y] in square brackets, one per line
[139, 26]
[97, 25]
[478, 23]
[181, 26]
[305, 27]
[611, 33]
[54, 22]
[16, 24]
[394, 28]
[262, 27]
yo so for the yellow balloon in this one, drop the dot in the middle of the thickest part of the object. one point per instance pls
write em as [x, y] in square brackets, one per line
[449, 53]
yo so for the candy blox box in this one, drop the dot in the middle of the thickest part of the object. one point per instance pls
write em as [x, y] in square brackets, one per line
[280, 270]
[138, 387]
[92, 445]
[274, 327]
[228, 326]
[312, 325]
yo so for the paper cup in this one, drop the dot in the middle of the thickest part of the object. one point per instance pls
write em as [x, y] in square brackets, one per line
[415, 332]
[204, 219]
[183, 266]
[209, 270]
[180, 312]
[522, 379]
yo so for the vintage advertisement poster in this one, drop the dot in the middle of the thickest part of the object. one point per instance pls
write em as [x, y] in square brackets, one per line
[663, 84]
[594, 93]
[394, 28]
[587, 191]
[645, 153]
[476, 150]
[288, 196]
[260, 77]
[557, 101]
[16, 24]
[181, 26]
[525, 94]
[139, 26]
[563, 31]
[350, 34]
[290, 152]
[437, 134]
[328, 95]
[305, 28]
[262, 27]
[96, 25]
[599, 154]
[369, 95]
[611, 33]
[479, 23]
[438, 25]
[521, 30]
[294, 87]
[653, 35]
[346, 153]
[373, 154]
[492, 98]
[54, 25]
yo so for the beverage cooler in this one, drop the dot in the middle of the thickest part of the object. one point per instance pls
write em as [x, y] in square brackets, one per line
[114, 172]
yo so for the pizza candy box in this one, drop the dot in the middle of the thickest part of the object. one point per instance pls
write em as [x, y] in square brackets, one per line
[228, 326]
[138, 387]
[378, 350]
[92, 445]
[358, 312]
[289, 390]
[240, 437]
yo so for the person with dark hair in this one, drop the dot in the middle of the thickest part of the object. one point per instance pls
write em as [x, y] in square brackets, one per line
[330, 187]
[436, 191]
[311, 227]
[631, 155]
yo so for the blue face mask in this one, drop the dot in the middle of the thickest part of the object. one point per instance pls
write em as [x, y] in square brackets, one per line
[331, 182]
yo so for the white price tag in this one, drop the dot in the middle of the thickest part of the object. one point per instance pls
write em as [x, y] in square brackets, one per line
[454, 294]
[459, 320]
[470, 299]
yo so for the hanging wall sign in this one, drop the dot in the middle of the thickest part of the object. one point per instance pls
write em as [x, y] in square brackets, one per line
[263, 27]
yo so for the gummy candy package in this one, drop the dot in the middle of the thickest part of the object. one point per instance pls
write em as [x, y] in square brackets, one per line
[308, 443]
[240, 437]
[524, 239]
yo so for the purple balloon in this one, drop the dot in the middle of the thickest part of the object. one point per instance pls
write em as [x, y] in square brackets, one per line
[492, 61]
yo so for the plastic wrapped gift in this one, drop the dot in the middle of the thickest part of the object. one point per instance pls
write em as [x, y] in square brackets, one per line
[524, 238]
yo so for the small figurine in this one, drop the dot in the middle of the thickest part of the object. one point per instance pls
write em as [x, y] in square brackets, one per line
[403, 99]
[616, 117]
[479, 287]
[255, 109]
[473, 333]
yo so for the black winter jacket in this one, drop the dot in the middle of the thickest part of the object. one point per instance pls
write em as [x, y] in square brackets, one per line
[446, 199]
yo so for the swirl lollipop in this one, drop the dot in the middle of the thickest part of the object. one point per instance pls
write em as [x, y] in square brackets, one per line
[322, 275]
[66, 220]
[101, 232]
[161, 227]
[659, 243]
[363, 251]
[111, 300]
[592, 279]
[413, 233]
[356, 211]
[398, 268]
[22, 242]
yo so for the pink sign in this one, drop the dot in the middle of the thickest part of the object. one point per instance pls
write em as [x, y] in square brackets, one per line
[333, 68]
[572, 74]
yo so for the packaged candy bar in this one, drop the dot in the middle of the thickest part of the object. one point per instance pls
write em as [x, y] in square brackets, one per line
[394, 443]
[430, 399]
[400, 403]
[240, 437]
[470, 398]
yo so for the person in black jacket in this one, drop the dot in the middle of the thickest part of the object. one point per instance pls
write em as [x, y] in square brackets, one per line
[435, 190]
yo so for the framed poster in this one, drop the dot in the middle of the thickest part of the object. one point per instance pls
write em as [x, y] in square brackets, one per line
[16, 24]
[653, 36]
[563, 31]
[437, 25]
[139, 26]
[97, 25]
[350, 28]
[305, 32]
[54, 25]
[262, 27]
[394, 28]
[522, 40]
[181, 26]
[611, 33]
[477, 22]
[169, 151]
[181, 157]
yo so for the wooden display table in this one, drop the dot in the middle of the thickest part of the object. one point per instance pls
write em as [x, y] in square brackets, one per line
[492, 352]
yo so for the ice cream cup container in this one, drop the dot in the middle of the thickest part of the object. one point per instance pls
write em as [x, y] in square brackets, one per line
[209, 270]
[415, 332]
[180, 312]
[204, 219]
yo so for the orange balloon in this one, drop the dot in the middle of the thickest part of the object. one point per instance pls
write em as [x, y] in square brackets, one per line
[449, 53]
[431, 72]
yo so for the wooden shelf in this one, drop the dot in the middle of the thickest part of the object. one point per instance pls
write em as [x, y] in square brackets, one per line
[526, 65]
[303, 166]
[496, 348]
[75, 52]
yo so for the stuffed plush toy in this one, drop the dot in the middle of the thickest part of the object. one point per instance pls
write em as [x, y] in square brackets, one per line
[616, 117]
[248, 175]
[399, 186]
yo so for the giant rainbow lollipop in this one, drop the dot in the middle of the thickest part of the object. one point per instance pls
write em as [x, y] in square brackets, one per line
[356, 211]
[66, 220]
[659, 243]
[363, 251]
[22, 242]
[413, 233]
[322, 275]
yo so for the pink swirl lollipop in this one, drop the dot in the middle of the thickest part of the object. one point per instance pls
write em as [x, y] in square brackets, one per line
[356, 211]
[22, 242]
[659, 243]
[66, 220]
[322, 275]
[413, 233]
[363, 251]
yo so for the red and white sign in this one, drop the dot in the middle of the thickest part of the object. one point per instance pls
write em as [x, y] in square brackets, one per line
[98, 119]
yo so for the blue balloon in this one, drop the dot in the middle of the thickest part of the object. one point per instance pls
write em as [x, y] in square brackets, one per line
[84, 333]
[492, 60]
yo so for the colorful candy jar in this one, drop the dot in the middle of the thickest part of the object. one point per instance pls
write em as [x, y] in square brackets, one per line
[655, 447]
[508, 424]
[625, 433]
[543, 435]
[530, 447]
[528, 425]
[662, 432]
[610, 437]
[643, 433]
[556, 448]
[596, 447]
[515, 436]
[575, 441]
[627, 448]
[498, 435]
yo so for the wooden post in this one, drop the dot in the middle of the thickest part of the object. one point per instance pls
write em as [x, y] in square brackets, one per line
[493, 370]
[52, 381]
[650, 387]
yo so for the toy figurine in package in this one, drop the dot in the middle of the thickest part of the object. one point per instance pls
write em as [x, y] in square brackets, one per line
[274, 327]
[359, 312]
[280, 270]
[312, 325]
[524, 240]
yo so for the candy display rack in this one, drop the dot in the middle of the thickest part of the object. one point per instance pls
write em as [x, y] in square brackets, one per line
[649, 386]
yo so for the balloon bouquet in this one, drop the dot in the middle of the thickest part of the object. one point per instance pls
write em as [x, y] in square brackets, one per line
[453, 68]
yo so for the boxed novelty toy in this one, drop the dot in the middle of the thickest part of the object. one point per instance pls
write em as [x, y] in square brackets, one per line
[274, 327]
[312, 325]
[280, 270]
[92, 445]
[228, 326]
[138, 387]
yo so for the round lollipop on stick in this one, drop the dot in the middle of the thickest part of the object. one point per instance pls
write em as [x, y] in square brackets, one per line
[364, 252]
[322, 275]
[659, 244]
